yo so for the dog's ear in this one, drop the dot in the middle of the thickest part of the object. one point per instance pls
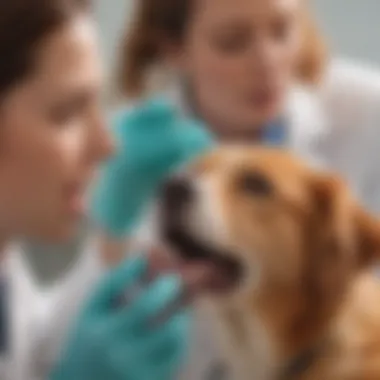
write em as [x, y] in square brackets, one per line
[327, 262]
[326, 223]
[340, 237]
[332, 199]
[325, 189]
[368, 236]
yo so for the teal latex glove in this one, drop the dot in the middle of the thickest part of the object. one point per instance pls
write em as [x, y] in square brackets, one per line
[153, 140]
[113, 342]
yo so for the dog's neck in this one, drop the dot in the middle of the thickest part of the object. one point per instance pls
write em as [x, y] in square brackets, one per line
[273, 350]
[249, 347]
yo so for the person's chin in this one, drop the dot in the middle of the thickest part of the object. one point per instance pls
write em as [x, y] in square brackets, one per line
[263, 117]
[56, 233]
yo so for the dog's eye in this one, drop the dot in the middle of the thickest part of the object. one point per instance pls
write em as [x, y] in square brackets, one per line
[255, 183]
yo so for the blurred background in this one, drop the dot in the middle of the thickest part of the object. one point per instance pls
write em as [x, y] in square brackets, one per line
[351, 26]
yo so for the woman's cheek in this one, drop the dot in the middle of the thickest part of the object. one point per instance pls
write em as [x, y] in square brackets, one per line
[70, 146]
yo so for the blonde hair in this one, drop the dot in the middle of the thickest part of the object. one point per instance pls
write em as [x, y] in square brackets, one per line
[158, 19]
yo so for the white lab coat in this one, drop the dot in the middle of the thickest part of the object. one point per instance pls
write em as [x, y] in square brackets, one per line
[336, 126]
[39, 318]
[24, 309]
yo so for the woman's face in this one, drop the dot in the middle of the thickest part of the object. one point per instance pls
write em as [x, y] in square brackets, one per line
[52, 137]
[240, 57]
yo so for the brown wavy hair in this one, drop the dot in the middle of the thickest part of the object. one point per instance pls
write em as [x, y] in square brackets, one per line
[157, 19]
[24, 25]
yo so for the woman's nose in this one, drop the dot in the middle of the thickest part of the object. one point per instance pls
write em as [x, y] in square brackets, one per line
[264, 54]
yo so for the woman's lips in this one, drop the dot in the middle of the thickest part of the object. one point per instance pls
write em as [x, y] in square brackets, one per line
[76, 194]
[263, 98]
[75, 199]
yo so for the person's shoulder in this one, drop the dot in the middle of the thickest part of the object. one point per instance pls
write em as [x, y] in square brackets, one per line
[352, 82]
[353, 72]
[350, 96]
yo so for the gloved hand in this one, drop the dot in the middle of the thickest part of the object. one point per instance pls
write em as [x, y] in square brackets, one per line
[121, 343]
[153, 141]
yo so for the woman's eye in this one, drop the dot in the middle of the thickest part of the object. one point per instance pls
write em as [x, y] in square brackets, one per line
[255, 183]
[64, 113]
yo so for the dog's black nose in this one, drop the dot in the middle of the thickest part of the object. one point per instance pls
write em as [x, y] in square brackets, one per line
[176, 193]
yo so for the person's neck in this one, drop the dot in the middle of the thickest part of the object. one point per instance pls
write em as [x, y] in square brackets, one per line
[225, 132]
[223, 129]
[229, 135]
[3, 245]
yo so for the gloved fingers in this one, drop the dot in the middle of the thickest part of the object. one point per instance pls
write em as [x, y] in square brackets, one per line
[158, 355]
[170, 360]
[165, 343]
[167, 351]
[138, 317]
[127, 363]
[115, 282]
[123, 365]
[169, 369]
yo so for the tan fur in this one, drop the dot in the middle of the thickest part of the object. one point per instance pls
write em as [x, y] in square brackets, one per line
[308, 247]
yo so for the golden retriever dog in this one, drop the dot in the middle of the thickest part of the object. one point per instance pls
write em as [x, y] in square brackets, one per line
[290, 254]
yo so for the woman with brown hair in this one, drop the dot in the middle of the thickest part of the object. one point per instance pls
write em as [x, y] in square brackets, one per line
[238, 67]
[247, 70]
[231, 70]
[52, 140]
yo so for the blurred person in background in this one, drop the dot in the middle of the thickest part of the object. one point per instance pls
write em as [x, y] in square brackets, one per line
[198, 72]
[52, 140]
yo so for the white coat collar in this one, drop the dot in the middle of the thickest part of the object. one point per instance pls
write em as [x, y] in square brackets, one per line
[23, 307]
[308, 123]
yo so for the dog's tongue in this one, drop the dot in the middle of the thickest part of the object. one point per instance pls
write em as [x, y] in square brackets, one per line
[199, 276]
[196, 275]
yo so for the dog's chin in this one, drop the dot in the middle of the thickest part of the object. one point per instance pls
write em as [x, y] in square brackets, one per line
[224, 272]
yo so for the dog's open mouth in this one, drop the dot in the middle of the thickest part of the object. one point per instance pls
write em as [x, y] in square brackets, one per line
[224, 273]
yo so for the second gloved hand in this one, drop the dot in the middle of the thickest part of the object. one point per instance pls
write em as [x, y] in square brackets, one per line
[121, 342]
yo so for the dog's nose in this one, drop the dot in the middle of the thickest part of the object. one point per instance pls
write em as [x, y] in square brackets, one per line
[176, 193]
